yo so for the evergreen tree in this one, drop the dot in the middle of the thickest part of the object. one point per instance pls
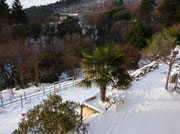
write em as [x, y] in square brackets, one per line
[35, 29]
[136, 34]
[119, 3]
[53, 116]
[69, 26]
[146, 8]
[17, 12]
[104, 67]
[169, 11]
[106, 21]
[4, 9]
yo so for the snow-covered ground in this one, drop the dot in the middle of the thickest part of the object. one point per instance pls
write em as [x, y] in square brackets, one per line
[147, 108]
[11, 115]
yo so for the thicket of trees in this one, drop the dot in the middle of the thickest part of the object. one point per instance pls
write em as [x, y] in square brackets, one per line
[132, 28]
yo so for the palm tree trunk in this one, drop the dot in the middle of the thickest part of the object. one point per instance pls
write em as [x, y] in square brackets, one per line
[103, 92]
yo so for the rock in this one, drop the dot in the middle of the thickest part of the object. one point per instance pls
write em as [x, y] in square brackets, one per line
[17, 88]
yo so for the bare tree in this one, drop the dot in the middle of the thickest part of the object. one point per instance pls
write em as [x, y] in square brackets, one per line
[169, 62]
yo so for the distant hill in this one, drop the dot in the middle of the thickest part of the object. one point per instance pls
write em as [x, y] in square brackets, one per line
[42, 13]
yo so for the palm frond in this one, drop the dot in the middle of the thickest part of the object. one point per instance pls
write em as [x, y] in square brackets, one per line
[85, 83]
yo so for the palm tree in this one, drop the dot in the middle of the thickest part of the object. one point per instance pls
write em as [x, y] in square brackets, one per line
[104, 67]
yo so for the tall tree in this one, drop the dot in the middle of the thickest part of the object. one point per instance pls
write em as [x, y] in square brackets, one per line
[17, 12]
[136, 34]
[106, 21]
[4, 9]
[69, 26]
[104, 67]
[169, 11]
[119, 3]
[146, 9]
[35, 29]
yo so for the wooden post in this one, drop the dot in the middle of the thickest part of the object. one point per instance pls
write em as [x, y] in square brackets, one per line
[24, 96]
[59, 84]
[73, 81]
[54, 88]
[81, 106]
[21, 101]
[43, 90]
[2, 102]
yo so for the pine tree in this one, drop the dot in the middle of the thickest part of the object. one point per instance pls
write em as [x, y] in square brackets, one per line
[17, 12]
[4, 9]
[119, 4]
[146, 8]
[169, 11]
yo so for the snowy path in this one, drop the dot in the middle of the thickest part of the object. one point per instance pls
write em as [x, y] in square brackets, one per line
[149, 109]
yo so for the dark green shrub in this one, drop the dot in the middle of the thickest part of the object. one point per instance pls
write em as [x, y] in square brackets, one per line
[53, 116]
[44, 69]
[69, 26]
[137, 34]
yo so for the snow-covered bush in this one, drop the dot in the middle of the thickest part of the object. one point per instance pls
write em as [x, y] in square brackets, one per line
[115, 99]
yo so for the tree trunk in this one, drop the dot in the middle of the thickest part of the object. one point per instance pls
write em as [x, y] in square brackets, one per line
[167, 80]
[103, 92]
[36, 75]
[15, 81]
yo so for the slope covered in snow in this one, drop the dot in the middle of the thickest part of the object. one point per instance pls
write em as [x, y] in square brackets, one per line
[10, 116]
[148, 109]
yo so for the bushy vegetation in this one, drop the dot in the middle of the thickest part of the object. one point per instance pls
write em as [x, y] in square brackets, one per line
[173, 31]
[130, 54]
[53, 116]
[45, 69]
[162, 45]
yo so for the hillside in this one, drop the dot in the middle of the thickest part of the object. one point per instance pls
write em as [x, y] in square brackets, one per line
[43, 12]
[147, 107]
